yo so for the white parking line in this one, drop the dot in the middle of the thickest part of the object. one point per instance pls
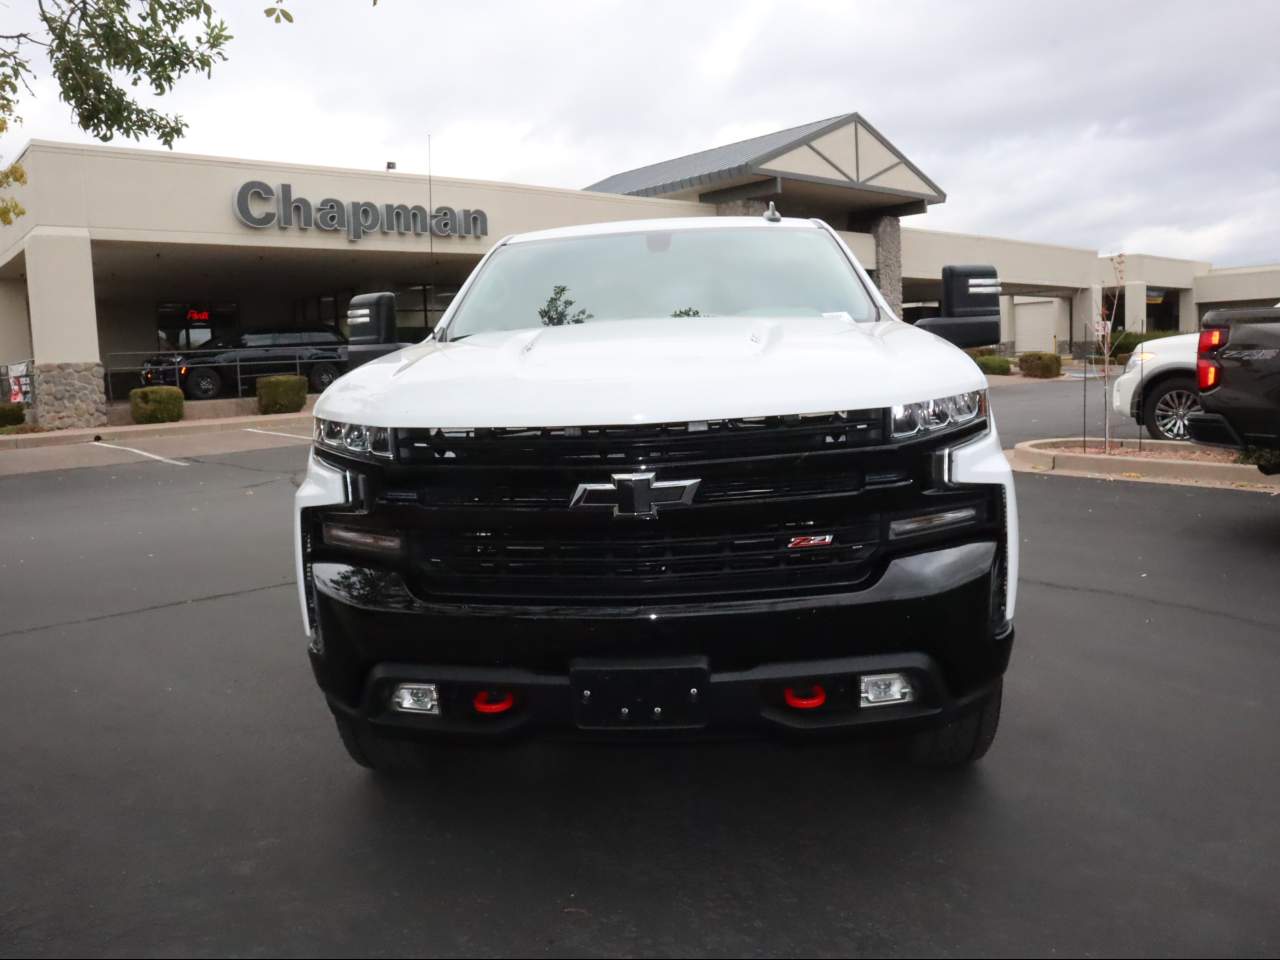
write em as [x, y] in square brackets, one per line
[278, 433]
[141, 453]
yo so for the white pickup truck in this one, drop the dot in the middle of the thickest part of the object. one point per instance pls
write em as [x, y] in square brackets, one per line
[663, 479]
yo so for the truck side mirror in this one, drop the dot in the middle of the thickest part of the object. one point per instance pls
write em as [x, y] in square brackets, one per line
[970, 314]
[371, 318]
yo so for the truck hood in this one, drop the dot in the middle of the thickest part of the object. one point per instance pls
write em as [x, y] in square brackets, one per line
[667, 369]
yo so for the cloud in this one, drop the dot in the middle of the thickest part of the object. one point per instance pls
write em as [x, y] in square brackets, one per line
[1091, 124]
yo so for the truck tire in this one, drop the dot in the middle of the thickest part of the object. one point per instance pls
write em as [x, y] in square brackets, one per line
[1166, 406]
[964, 740]
[381, 754]
[203, 384]
[323, 374]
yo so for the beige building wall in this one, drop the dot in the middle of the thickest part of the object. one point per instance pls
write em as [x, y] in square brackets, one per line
[1240, 283]
[926, 252]
[1153, 271]
[863, 246]
[154, 196]
[1135, 306]
[1040, 324]
[1086, 312]
[15, 326]
[64, 324]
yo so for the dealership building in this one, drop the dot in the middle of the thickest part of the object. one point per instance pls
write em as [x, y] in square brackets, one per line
[122, 251]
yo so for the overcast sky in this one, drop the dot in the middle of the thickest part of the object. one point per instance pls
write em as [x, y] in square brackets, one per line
[1151, 128]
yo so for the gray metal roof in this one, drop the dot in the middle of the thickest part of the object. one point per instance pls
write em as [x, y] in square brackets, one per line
[707, 166]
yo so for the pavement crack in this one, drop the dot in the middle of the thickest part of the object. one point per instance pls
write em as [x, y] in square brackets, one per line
[1162, 602]
[159, 606]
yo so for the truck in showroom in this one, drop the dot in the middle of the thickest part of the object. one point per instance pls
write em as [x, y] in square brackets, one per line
[664, 479]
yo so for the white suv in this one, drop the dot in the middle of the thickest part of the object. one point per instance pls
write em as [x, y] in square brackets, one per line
[657, 479]
[1158, 386]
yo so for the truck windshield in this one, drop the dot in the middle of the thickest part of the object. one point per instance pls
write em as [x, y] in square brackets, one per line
[703, 272]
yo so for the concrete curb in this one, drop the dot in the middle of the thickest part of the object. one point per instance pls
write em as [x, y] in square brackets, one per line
[1032, 456]
[292, 422]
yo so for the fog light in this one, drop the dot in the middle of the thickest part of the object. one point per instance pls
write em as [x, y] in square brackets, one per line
[928, 522]
[416, 698]
[337, 536]
[883, 688]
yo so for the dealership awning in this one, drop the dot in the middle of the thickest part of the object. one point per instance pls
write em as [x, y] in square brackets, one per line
[841, 163]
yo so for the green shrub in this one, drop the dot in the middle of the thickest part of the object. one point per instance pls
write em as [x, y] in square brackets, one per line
[283, 394]
[155, 404]
[12, 414]
[977, 352]
[1268, 461]
[1045, 366]
[991, 364]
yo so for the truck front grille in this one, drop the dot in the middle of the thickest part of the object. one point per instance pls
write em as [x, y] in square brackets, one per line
[644, 560]
[487, 515]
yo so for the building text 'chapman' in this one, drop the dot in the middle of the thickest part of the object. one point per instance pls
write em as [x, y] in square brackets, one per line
[259, 205]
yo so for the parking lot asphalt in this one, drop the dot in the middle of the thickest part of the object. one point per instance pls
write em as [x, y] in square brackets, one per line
[171, 782]
[1029, 409]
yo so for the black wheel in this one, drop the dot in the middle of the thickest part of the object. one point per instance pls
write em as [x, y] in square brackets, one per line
[323, 374]
[1167, 405]
[203, 384]
[964, 740]
[382, 754]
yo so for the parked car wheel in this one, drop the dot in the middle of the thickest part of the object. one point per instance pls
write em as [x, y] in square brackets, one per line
[1167, 406]
[203, 384]
[964, 740]
[323, 374]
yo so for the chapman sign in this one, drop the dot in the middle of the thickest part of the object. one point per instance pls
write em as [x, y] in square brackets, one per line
[261, 205]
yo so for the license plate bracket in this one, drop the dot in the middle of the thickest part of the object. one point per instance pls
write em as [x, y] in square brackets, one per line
[640, 694]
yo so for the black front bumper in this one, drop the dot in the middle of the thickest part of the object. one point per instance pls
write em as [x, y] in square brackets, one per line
[159, 376]
[929, 616]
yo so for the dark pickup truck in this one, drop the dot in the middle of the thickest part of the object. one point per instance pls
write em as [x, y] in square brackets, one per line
[231, 363]
[1238, 373]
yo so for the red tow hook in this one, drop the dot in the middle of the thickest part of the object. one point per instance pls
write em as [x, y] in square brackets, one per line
[816, 698]
[484, 703]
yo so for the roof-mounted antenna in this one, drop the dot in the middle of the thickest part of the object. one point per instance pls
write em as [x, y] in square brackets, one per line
[772, 214]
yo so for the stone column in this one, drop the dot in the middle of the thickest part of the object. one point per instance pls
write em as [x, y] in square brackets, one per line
[742, 208]
[67, 382]
[887, 232]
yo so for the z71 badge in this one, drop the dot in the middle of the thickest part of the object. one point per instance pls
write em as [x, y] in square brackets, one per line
[816, 540]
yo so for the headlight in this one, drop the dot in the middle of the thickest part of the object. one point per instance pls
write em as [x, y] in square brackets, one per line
[930, 416]
[1137, 358]
[354, 439]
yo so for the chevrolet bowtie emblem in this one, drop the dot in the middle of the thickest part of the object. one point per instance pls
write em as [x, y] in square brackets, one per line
[634, 494]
